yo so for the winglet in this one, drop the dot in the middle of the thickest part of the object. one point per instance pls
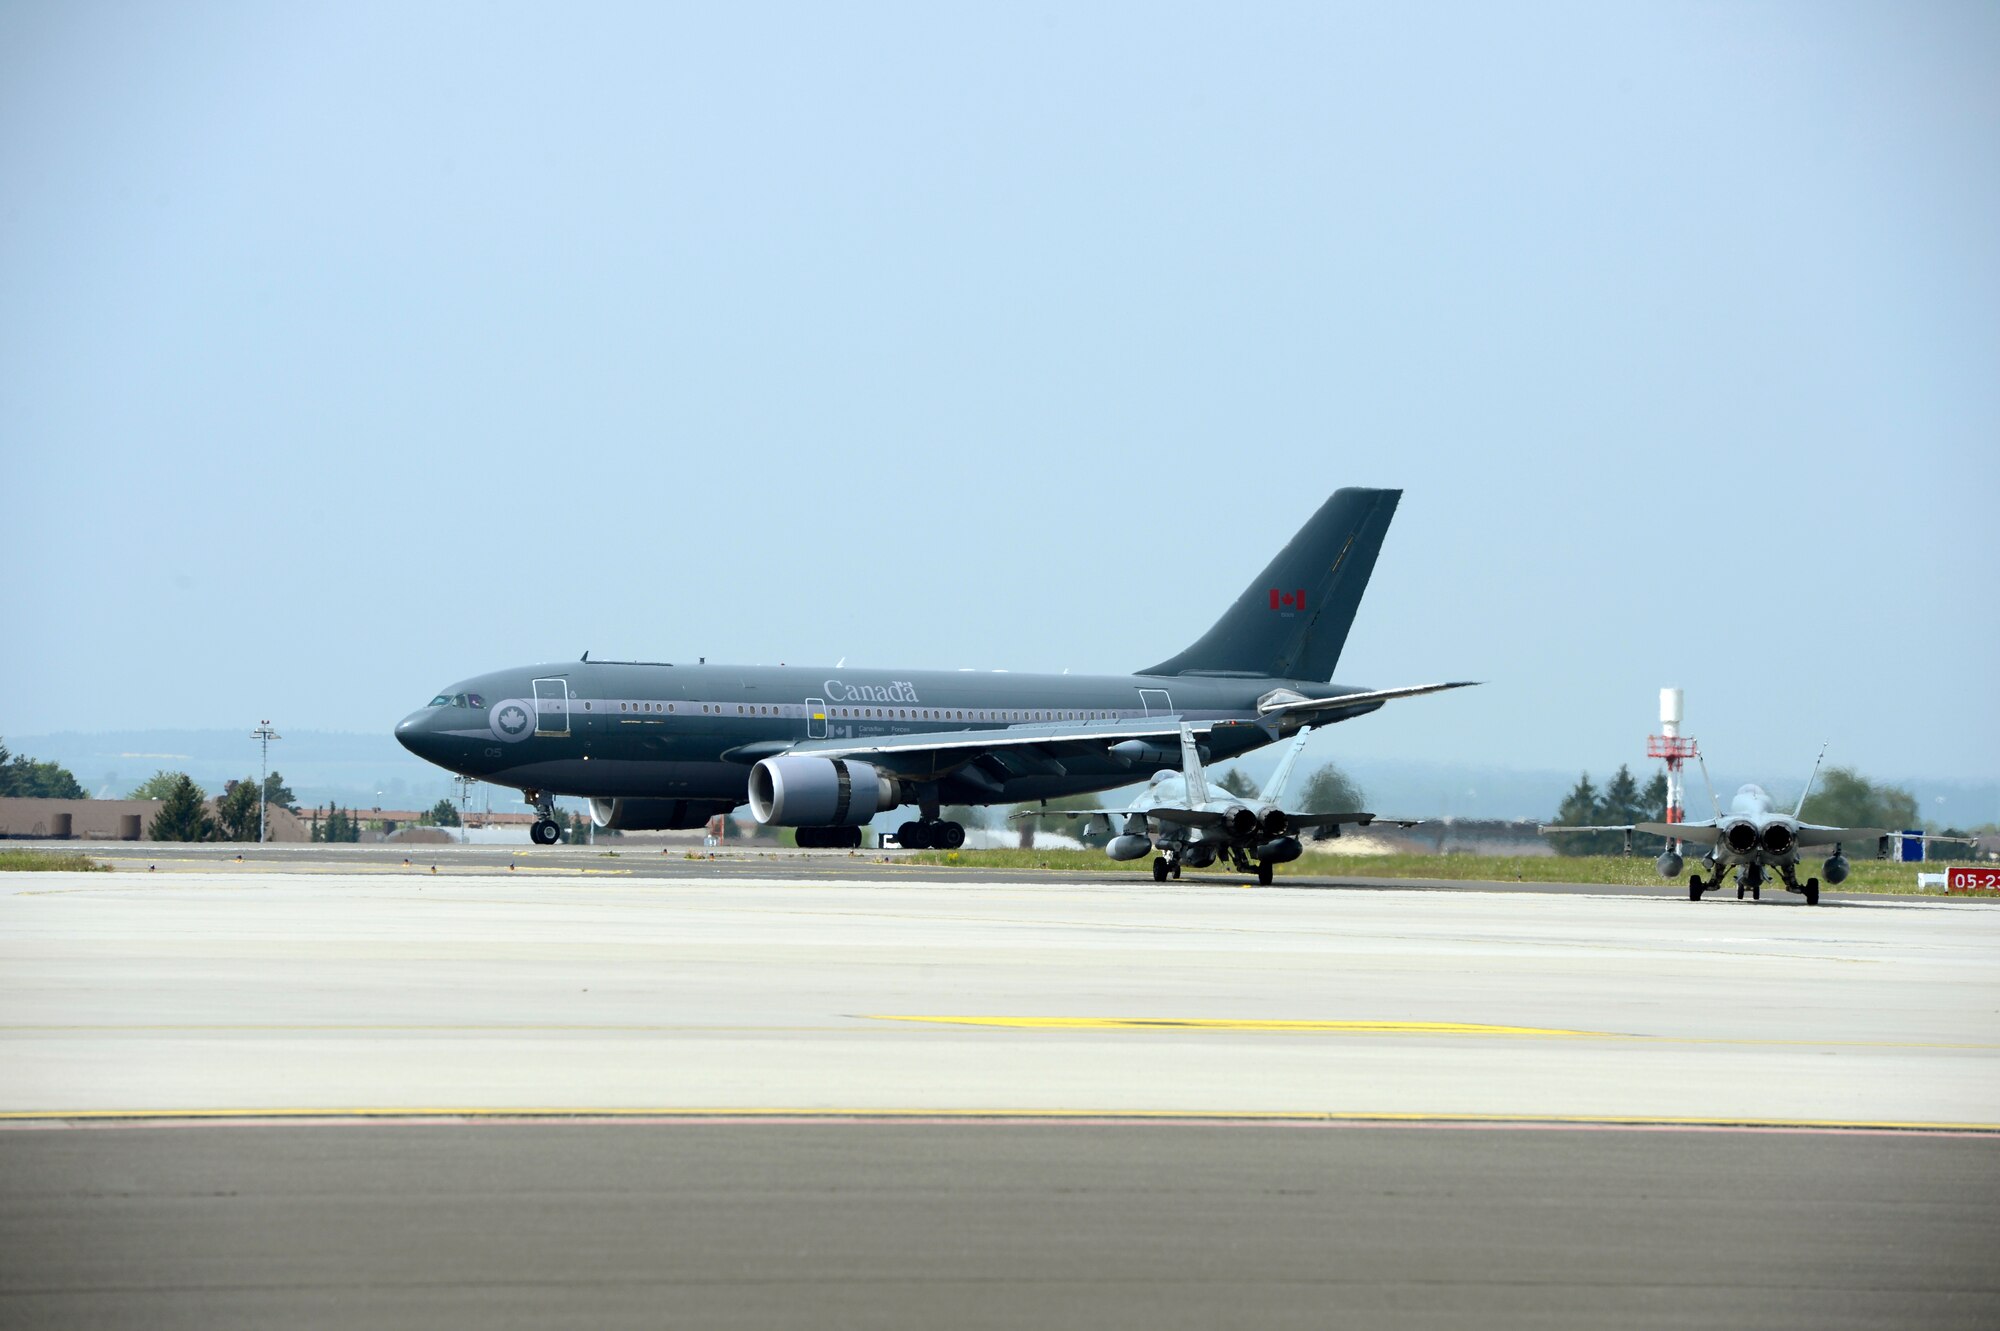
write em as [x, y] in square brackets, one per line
[1197, 780]
[1807, 792]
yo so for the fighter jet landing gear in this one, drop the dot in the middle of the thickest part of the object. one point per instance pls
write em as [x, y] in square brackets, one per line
[546, 830]
[1696, 887]
[1263, 873]
[1164, 868]
[930, 834]
[1808, 889]
[1750, 879]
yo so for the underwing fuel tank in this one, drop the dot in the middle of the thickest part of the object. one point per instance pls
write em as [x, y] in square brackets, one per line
[1129, 847]
[1281, 851]
[1669, 864]
[1836, 869]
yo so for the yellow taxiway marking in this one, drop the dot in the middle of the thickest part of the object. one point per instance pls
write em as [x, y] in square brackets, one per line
[1259, 1026]
[699, 1113]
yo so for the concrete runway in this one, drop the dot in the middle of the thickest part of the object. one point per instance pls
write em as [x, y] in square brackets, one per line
[862, 1095]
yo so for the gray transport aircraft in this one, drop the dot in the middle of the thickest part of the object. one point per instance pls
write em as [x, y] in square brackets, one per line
[1756, 839]
[655, 745]
[1193, 825]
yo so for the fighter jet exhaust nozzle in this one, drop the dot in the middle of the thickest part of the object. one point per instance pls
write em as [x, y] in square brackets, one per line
[1283, 850]
[1129, 847]
[1836, 869]
[1274, 823]
[800, 791]
[1777, 839]
[1741, 838]
[1669, 865]
[1240, 822]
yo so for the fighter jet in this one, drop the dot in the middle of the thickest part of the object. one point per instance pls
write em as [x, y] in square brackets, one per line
[655, 744]
[1192, 825]
[1756, 839]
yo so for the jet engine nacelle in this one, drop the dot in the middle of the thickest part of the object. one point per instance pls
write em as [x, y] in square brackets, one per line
[1669, 864]
[1281, 851]
[1777, 839]
[1274, 823]
[654, 815]
[1129, 847]
[1836, 869]
[797, 790]
[1741, 838]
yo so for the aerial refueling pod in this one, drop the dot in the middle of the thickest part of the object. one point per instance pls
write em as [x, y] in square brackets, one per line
[654, 815]
[797, 790]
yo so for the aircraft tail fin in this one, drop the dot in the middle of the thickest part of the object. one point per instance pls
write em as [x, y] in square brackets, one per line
[1274, 789]
[1197, 779]
[1806, 794]
[1292, 621]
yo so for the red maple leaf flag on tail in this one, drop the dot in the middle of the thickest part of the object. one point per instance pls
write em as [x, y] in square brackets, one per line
[1288, 600]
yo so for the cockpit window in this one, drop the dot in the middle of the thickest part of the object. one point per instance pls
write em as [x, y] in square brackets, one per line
[458, 700]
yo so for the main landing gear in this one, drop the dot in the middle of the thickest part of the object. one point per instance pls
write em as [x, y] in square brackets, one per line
[1165, 868]
[930, 834]
[1808, 889]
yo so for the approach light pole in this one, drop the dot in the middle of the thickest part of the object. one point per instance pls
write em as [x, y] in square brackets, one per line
[264, 735]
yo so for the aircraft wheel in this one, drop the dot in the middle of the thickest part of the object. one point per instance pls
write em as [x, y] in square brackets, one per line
[1694, 887]
[1175, 871]
[1812, 891]
[1739, 891]
[949, 835]
[545, 832]
[913, 836]
[1264, 873]
[849, 838]
[1756, 894]
[1160, 870]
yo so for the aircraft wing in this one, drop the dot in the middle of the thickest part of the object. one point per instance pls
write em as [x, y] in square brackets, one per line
[1701, 834]
[1814, 834]
[1285, 705]
[991, 756]
[1190, 817]
[1302, 821]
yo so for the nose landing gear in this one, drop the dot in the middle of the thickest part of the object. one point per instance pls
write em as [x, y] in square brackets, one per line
[546, 831]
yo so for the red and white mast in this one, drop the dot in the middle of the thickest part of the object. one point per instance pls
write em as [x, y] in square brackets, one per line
[1675, 749]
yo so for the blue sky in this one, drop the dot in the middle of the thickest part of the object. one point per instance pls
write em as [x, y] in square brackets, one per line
[347, 350]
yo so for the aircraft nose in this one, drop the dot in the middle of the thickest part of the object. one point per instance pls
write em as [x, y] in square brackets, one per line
[414, 732]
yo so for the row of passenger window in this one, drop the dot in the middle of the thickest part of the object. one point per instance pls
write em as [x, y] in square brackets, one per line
[871, 713]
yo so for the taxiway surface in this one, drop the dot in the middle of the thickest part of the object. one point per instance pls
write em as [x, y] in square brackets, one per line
[860, 1096]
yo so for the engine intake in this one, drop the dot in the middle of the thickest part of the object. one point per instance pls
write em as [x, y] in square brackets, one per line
[802, 791]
